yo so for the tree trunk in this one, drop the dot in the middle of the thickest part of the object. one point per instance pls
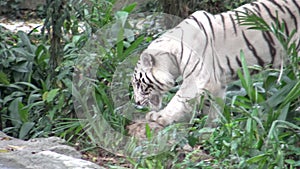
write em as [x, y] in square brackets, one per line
[57, 20]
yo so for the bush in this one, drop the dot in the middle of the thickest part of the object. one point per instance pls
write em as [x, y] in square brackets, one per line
[259, 125]
[184, 8]
[258, 129]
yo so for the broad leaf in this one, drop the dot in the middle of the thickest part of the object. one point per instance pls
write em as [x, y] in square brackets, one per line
[25, 129]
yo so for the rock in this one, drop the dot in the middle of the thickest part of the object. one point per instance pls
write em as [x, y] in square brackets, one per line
[40, 153]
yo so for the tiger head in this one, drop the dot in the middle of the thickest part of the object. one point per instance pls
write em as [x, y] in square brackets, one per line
[150, 81]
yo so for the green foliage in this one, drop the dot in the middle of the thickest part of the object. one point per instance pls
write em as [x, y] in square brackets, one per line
[256, 129]
[160, 161]
[29, 103]
[11, 6]
[264, 129]
[98, 14]
[95, 88]
[185, 7]
[34, 103]
[278, 29]
[217, 6]
[259, 126]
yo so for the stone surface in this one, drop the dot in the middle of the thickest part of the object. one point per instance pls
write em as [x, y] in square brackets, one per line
[41, 153]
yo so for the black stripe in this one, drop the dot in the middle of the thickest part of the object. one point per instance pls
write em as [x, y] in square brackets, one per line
[197, 63]
[238, 61]
[210, 24]
[205, 48]
[224, 25]
[143, 80]
[297, 5]
[155, 80]
[150, 81]
[256, 6]
[233, 24]
[181, 43]
[237, 16]
[229, 66]
[146, 90]
[201, 67]
[298, 46]
[214, 68]
[269, 12]
[158, 87]
[278, 5]
[218, 64]
[205, 33]
[247, 10]
[292, 16]
[269, 40]
[257, 12]
[287, 32]
[253, 50]
[171, 57]
[188, 61]
[257, 9]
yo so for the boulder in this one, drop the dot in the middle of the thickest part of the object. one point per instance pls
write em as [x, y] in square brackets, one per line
[40, 153]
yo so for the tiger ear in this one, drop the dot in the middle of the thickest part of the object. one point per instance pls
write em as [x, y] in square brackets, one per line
[147, 60]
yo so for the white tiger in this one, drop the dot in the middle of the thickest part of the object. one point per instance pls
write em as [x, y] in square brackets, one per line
[205, 50]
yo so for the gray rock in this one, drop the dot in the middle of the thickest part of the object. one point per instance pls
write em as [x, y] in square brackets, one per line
[40, 153]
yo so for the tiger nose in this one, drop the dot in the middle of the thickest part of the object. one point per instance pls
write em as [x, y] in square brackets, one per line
[139, 103]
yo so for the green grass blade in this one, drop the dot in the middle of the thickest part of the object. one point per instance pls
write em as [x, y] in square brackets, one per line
[133, 46]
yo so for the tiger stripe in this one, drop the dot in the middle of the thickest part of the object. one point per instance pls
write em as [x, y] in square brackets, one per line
[297, 5]
[211, 25]
[253, 50]
[292, 16]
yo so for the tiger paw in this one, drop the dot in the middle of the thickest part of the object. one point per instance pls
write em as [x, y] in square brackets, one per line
[159, 118]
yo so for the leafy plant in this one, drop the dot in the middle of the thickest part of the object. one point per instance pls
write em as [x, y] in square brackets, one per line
[259, 126]
[11, 6]
[264, 124]
[33, 102]
[185, 7]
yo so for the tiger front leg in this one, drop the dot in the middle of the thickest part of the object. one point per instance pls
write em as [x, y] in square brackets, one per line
[178, 110]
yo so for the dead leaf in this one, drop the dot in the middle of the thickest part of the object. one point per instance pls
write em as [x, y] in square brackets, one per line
[13, 148]
[5, 138]
[4, 151]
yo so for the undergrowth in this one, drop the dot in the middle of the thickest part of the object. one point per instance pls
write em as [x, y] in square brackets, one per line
[259, 124]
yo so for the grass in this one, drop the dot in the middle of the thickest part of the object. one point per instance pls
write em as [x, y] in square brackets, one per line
[258, 127]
